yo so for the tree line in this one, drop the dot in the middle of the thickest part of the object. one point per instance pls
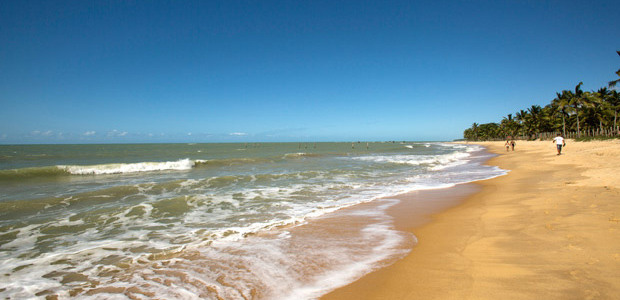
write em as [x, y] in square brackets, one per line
[571, 113]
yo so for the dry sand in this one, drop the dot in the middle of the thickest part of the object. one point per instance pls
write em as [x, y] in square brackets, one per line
[548, 230]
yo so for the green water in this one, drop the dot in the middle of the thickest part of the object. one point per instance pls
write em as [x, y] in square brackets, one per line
[76, 216]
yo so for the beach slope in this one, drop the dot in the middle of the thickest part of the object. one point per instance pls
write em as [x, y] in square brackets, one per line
[549, 229]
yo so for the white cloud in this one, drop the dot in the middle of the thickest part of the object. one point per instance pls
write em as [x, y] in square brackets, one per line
[116, 133]
[238, 134]
[42, 133]
[90, 133]
[189, 133]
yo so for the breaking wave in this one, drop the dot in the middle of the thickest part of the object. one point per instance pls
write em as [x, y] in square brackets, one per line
[183, 164]
[122, 168]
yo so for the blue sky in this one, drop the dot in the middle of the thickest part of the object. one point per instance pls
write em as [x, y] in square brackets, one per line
[238, 71]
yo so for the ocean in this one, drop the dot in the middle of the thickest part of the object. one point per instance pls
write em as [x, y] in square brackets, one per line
[210, 221]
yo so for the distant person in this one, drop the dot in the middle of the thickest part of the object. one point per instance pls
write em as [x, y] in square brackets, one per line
[507, 145]
[512, 144]
[559, 143]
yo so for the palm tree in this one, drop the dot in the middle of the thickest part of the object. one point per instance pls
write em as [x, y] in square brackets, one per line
[614, 82]
[601, 105]
[489, 131]
[509, 125]
[474, 129]
[521, 116]
[585, 109]
[535, 119]
[546, 119]
[614, 104]
[561, 106]
[576, 100]
[467, 134]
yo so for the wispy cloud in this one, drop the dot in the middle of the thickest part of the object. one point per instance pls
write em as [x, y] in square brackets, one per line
[43, 133]
[89, 133]
[238, 134]
[116, 133]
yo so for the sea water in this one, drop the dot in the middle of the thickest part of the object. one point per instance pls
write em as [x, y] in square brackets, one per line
[209, 221]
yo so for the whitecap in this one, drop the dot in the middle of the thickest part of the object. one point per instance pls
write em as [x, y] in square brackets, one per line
[183, 164]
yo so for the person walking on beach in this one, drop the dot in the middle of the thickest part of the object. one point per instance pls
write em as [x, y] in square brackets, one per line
[512, 144]
[507, 145]
[559, 143]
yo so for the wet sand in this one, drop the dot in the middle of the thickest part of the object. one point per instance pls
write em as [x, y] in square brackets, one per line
[549, 229]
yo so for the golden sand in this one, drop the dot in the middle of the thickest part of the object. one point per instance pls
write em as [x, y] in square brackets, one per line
[550, 229]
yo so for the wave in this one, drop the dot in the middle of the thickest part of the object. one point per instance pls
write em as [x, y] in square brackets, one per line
[17, 174]
[434, 161]
[230, 162]
[102, 169]
[300, 155]
[122, 168]
[183, 164]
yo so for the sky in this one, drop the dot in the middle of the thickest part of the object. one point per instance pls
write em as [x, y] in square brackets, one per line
[290, 71]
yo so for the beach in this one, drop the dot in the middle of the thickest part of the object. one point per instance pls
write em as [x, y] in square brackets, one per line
[549, 229]
[412, 220]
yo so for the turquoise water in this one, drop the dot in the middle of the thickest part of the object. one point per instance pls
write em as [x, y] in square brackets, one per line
[122, 221]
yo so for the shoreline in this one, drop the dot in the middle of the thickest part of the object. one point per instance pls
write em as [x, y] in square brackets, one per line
[546, 228]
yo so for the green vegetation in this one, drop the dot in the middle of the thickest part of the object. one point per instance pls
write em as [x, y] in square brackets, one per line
[572, 113]
[596, 138]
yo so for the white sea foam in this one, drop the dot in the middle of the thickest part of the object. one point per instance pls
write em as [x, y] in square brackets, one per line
[436, 162]
[286, 267]
[183, 164]
[383, 241]
[24, 239]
